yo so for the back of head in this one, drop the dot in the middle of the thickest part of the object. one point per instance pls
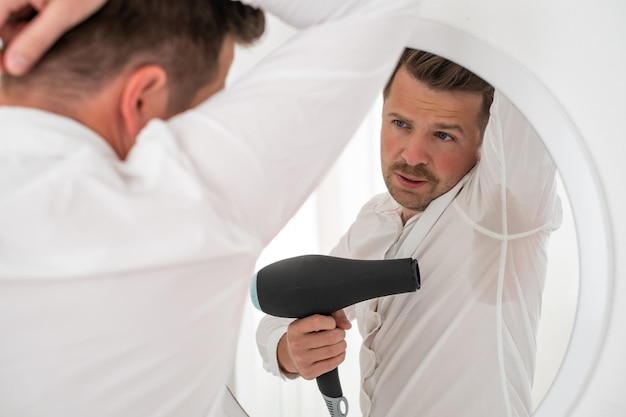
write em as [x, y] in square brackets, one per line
[184, 37]
[440, 74]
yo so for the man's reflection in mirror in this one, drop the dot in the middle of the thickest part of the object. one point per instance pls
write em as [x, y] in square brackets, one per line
[471, 194]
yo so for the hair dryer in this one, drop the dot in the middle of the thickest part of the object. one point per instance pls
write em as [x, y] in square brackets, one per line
[318, 284]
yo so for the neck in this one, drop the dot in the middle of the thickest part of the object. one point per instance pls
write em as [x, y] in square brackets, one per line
[91, 111]
[407, 214]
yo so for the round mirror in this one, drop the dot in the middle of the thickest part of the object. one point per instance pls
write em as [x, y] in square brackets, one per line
[572, 325]
[583, 188]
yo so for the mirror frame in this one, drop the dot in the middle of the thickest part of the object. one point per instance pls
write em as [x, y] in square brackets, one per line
[581, 181]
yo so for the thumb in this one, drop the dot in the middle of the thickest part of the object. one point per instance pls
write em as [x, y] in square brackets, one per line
[342, 320]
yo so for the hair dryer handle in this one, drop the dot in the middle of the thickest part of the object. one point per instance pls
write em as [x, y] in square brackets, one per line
[330, 387]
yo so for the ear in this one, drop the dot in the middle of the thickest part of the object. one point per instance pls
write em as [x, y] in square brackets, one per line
[144, 97]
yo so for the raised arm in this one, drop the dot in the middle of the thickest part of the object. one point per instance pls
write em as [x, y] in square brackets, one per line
[516, 173]
[281, 126]
[303, 14]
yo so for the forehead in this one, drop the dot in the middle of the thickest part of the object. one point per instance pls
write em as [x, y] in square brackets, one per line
[407, 95]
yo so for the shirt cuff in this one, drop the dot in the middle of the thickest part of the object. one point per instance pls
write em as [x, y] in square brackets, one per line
[272, 346]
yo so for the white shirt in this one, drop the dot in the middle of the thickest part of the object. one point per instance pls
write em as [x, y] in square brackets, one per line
[122, 283]
[464, 344]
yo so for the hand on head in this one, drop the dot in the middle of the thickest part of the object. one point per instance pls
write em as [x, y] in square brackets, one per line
[29, 27]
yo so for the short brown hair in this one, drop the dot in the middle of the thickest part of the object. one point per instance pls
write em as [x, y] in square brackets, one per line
[184, 37]
[441, 74]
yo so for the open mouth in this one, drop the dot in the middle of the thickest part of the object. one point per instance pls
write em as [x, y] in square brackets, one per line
[411, 182]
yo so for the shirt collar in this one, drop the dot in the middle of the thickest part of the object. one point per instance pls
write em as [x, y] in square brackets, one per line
[387, 206]
[33, 131]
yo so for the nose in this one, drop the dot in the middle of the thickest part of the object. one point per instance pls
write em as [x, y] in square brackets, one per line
[416, 150]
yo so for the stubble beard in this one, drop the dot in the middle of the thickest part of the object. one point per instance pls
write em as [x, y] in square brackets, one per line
[412, 200]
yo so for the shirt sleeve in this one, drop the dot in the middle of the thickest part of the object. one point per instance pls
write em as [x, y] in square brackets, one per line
[268, 334]
[302, 14]
[516, 176]
[262, 145]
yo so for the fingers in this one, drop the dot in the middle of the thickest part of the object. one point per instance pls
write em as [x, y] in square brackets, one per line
[9, 13]
[342, 320]
[54, 18]
[36, 37]
[315, 345]
[27, 46]
[313, 323]
[311, 370]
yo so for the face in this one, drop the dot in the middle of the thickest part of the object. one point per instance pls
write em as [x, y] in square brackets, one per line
[429, 141]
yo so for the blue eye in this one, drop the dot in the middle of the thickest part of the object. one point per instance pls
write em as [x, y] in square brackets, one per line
[443, 136]
[399, 123]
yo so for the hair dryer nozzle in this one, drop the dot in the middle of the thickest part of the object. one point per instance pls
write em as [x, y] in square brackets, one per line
[254, 295]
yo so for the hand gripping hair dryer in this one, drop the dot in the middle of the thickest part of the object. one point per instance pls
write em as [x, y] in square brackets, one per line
[318, 284]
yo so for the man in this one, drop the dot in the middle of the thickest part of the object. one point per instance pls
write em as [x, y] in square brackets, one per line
[132, 210]
[472, 197]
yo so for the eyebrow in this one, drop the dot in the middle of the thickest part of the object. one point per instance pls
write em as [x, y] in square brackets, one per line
[447, 126]
[441, 126]
[399, 116]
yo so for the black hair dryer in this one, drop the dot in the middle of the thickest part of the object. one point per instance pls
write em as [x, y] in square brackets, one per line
[318, 284]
